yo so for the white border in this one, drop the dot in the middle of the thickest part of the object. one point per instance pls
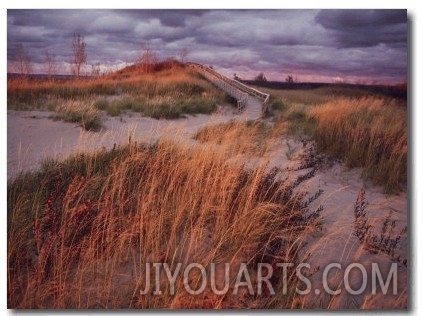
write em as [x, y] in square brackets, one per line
[416, 253]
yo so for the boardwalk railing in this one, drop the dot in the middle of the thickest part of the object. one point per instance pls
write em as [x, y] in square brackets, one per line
[236, 89]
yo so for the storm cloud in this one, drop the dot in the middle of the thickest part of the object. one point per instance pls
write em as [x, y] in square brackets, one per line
[365, 28]
[312, 45]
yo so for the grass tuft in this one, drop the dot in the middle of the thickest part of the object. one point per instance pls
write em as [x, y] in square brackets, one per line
[236, 137]
[83, 113]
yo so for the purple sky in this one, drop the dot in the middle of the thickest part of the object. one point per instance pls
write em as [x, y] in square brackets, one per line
[311, 45]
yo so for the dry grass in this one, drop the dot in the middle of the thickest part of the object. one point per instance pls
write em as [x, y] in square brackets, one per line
[80, 112]
[236, 137]
[81, 231]
[366, 132]
[282, 99]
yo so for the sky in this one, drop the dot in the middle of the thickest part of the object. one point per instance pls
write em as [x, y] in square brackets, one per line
[347, 45]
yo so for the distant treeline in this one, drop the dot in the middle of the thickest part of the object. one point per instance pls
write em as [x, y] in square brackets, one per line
[397, 92]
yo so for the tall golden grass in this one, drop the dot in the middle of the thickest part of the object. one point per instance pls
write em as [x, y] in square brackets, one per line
[237, 137]
[81, 231]
[366, 132]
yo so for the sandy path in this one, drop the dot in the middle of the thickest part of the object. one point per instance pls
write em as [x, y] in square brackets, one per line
[32, 136]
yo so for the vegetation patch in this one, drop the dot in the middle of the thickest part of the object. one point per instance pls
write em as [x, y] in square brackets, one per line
[81, 231]
[361, 128]
[236, 137]
[168, 91]
[83, 113]
[368, 132]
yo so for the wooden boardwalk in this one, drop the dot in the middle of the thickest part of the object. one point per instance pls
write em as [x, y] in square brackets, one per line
[252, 103]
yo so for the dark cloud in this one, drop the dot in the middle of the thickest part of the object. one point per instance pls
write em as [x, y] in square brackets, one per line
[319, 43]
[358, 18]
[177, 18]
[364, 28]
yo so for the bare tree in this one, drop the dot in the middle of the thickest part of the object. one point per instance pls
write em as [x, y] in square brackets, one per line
[95, 70]
[21, 62]
[260, 77]
[183, 55]
[147, 59]
[289, 79]
[50, 66]
[79, 55]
